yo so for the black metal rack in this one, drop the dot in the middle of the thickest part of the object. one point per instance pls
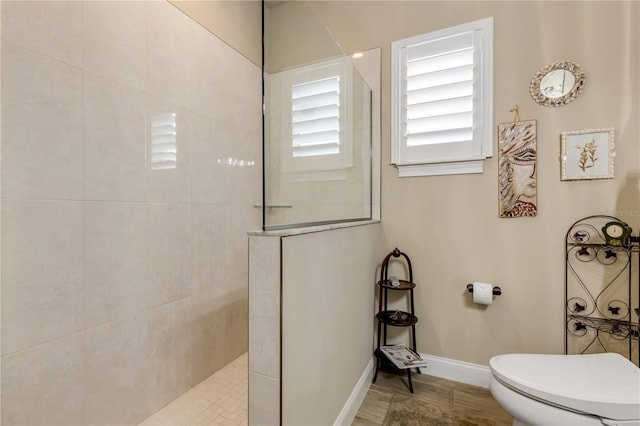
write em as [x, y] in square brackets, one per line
[602, 298]
[394, 317]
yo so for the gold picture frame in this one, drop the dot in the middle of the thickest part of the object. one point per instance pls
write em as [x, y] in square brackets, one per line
[587, 154]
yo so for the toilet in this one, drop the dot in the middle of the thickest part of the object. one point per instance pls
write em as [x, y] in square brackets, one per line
[567, 390]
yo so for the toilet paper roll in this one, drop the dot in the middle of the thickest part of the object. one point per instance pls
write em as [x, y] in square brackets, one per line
[482, 293]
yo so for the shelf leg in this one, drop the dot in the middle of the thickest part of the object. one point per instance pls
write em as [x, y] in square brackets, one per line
[409, 378]
[375, 376]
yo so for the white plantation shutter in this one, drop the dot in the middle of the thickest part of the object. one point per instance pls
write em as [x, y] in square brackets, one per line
[439, 88]
[442, 107]
[315, 117]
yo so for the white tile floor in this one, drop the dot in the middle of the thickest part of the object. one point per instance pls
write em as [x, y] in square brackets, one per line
[221, 399]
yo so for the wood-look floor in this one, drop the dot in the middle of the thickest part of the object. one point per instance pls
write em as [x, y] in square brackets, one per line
[455, 396]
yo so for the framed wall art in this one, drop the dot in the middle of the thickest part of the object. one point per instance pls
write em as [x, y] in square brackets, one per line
[587, 154]
[517, 187]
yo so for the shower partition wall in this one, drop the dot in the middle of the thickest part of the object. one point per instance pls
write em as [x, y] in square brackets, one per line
[317, 123]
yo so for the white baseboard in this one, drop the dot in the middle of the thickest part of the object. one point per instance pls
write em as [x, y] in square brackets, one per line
[459, 371]
[352, 405]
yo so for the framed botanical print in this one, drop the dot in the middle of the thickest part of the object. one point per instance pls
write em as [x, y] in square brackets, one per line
[587, 154]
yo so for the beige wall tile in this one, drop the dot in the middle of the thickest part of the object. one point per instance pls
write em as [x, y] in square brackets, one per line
[264, 305]
[42, 274]
[207, 247]
[167, 253]
[116, 373]
[168, 53]
[42, 126]
[219, 322]
[210, 152]
[236, 327]
[169, 352]
[114, 41]
[31, 23]
[114, 141]
[240, 168]
[241, 94]
[236, 245]
[208, 326]
[44, 384]
[209, 63]
[114, 261]
[264, 400]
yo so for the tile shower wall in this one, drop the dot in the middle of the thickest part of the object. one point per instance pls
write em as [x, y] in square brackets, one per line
[131, 142]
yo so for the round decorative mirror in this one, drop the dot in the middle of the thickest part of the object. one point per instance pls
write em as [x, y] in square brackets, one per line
[557, 84]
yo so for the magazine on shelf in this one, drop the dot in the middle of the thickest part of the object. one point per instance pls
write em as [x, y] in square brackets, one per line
[403, 357]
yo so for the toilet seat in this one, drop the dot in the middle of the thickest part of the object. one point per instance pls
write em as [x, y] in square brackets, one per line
[605, 385]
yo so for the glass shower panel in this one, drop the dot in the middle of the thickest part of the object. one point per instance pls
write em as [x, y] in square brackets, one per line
[317, 133]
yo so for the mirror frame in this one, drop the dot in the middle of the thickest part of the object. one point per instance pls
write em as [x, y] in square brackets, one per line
[542, 99]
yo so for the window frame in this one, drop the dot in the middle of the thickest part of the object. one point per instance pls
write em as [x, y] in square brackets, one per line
[319, 167]
[414, 162]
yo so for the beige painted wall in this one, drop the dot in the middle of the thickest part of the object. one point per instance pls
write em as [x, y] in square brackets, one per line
[238, 23]
[449, 225]
[327, 319]
[294, 36]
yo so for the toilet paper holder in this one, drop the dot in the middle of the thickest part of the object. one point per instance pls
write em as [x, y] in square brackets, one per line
[497, 291]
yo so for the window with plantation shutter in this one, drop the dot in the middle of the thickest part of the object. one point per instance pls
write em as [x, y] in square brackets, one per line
[442, 120]
[316, 120]
[315, 117]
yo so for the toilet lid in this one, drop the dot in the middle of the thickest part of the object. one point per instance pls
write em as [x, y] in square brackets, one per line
[605, 385]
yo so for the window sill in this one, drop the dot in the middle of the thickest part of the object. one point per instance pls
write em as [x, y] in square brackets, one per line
[470, 166]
